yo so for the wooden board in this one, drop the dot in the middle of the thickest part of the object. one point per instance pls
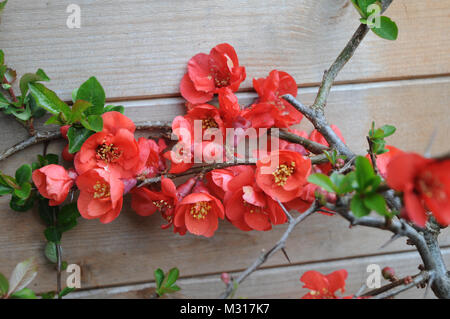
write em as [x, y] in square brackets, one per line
[280, 282]
[141, 48]
[129, 249]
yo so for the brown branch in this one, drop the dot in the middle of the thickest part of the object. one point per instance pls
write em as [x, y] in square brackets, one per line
[311, 146]
[292, 223]
[389, 291]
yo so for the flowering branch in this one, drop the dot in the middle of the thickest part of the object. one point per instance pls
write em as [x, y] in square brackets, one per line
[292, 223]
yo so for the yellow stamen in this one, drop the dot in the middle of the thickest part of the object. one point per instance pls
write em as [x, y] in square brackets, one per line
[101, 190]
[200, 210]
[282, 173]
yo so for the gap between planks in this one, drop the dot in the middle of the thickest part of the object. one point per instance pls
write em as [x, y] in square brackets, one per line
[268, 271]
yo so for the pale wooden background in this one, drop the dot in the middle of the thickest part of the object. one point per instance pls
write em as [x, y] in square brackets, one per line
[139, 49]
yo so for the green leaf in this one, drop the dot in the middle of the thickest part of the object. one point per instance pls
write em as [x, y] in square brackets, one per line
[348, 183]
[31, 78]
[24, 191]
[364, 6]
[3, 101]
[25, 293]
[376, 203]
[36, 110]
[48, 295]
[51, 159]
[66, 291]
[55, 119]
[2, 6]
[50, 252]
[357, 206]
[172, 277]
[77, 136]
[2, 55]
[78, 108]
[48, 100]
[93, 92]
[5, 190]
[21, 205]
[388, 130]
[159, 277]
[68, 213]
[62, 228]
[23, 174]
[53, 234]
[115, 108]
[322, 181]
[364, 172]
[93, 123]
[22, 114]
[46, 211]
[388, 29]
[4, 285]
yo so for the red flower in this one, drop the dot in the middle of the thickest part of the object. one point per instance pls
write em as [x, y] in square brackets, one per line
[100, 195]
[324, 286]
[151, 157]
[53, 182]
[384, 159]
[425, 184]
[248, 207]
[271, 90]
[208, 73]
[199, 213]
[229, 107]
[112, 148]
[282, 175]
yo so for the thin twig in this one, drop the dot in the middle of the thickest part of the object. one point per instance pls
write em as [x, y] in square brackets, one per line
[311, 146]
[402, 286]
[267, 254]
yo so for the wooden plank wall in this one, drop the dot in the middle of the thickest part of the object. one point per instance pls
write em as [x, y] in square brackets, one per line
[139, 49]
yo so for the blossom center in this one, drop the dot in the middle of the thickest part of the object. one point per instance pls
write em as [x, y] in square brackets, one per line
[200, 210]
[431, 187]
[254, 209]
[282, 173]
[162, 204]
[101, 190]
[108, 152]
[209, 123]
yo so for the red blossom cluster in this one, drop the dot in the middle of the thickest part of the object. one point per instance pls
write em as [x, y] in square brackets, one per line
[112, 162]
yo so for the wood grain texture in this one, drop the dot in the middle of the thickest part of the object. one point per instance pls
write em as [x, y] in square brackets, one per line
[141, 48]
[281, 282]
[129, 249]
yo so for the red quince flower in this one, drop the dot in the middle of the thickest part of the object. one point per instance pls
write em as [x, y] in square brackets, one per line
[324, 286]
[53, 182]
[282, 174]
[114, 148]
[101, 195]
[180, 157]
[199, 213]
[229, 107]
[248, 207]
[218, 179]
[207, 73]
[425, 184]
[151, 156]
[384, 159]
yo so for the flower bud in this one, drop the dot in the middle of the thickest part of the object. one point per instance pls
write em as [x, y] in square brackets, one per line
[388, 273]
[225, 277]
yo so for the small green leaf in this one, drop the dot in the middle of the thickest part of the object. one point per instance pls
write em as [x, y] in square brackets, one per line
[159, 277]
[66, 291]
[52, 234]
[357, 206]
[48, 100]
[25, 293]
[2, 6]
[364, 5]
[4, 285]
[364, 172]
[48, 295]
[68, 213]
[348, 183]
[46, 211]
[5, 190]
[2, 54]
[31, 78]
[24, 191]
[77, 136]
[50, 252]
[388, 130]
[388, 29]
[322, 181]
[21, 205]
[78, 108]
[172, 277]
[93, 92]
[376, 203]
[23, 174]
[94, 123]
[115, 108]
